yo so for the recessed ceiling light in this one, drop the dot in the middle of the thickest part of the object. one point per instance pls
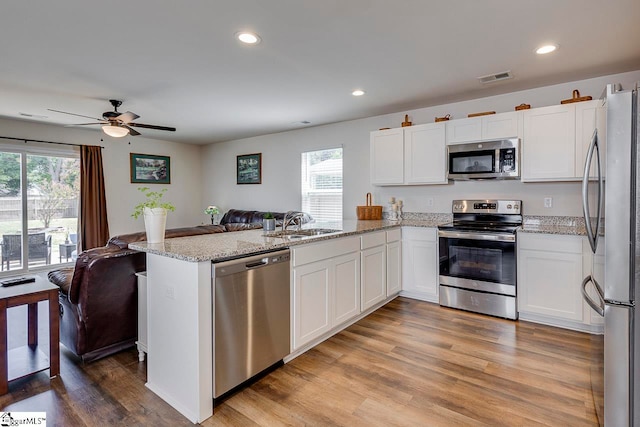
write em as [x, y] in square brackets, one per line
[357, 92]
[248, 38]
[548, 48]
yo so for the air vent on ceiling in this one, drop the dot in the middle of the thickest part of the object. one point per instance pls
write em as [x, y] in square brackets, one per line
[504, 75]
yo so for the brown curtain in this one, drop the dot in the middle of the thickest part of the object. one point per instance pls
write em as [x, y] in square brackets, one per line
[94, 228]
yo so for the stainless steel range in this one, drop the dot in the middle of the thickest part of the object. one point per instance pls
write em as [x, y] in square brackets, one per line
[478, 257]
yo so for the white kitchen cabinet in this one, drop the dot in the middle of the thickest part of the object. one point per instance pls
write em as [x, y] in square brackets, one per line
[550, 273]
[420, 269]
[394, 262]
[556, 140]
[326, 287]
[374, 269]
[387, 157]
[493, 126]
[409, 156]
[585, 124]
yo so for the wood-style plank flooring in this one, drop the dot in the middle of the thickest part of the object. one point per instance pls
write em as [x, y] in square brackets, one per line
[410, 363]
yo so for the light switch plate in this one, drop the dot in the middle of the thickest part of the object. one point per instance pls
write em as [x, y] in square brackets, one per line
[548, 202]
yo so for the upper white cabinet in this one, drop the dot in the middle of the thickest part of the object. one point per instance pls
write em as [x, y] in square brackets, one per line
[410, 155]
[387, 157]
[556, 140]
[493, 126]
[420, 270]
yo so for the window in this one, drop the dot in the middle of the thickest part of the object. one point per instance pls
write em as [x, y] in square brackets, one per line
[39, 194]
[322, 184]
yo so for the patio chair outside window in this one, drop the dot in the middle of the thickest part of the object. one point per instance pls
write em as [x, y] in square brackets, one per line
[39, 248]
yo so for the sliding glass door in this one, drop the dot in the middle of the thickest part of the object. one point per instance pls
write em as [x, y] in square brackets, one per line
[38, 210]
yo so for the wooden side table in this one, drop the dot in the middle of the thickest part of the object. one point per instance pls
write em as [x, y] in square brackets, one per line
[29, 359]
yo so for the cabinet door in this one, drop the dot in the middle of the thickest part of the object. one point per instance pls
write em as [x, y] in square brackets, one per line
[503, 125]
[312, 285]
[420, 270]
[387, 157]
[464, 130]
[585, 125]
[374, 274]
[549, 144]
[549, 283]
[394, 268]
[346, 299]
[425, 154]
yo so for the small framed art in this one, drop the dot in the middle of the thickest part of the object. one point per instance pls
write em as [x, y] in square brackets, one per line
[249, 169]
[150, 169]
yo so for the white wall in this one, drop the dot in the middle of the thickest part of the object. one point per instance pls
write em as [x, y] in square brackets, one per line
[184, 192]
[280, 188]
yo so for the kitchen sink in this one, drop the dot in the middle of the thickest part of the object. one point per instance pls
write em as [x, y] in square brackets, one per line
[298, 234]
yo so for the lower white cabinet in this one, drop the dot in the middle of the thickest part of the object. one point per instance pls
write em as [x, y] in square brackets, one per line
[374, 269]
[550, 274]
[326, 287]
[420, 263]
[394, 262]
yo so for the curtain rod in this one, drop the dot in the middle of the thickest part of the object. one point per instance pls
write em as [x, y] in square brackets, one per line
[47, 142]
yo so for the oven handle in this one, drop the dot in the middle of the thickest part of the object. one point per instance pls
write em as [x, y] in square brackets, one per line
[494, 237]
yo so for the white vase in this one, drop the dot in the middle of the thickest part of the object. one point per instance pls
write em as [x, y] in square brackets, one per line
[155, 221]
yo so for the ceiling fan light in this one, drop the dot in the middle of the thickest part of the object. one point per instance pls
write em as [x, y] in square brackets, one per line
[115, 131]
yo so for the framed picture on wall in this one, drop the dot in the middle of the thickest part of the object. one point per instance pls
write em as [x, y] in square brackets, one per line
[249, 169]
[150, 169]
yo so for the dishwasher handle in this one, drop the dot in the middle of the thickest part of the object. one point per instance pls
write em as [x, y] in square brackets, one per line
[263, 261]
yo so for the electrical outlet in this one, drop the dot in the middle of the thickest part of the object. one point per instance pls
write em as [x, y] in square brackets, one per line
[169, 292]
[548, 202]
[429, 202]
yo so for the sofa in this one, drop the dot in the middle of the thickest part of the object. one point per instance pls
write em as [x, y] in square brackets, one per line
[98, 296]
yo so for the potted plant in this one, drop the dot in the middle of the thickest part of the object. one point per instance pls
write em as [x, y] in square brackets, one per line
[213, 211]
[268, 222]
[155, 213]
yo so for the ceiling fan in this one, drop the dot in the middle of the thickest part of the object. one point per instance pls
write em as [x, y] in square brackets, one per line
[117, 124]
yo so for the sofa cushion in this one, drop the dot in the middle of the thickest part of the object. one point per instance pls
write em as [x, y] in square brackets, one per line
[62, 278]
[239, 226]
[242, 216]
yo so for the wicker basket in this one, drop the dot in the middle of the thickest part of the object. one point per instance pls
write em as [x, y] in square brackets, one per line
[369, 212]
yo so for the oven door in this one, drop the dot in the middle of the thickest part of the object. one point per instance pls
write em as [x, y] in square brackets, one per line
[478, 261]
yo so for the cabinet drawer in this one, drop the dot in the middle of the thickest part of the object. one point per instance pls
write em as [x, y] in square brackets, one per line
[371, 240]
[394, 235]
[323, 250]
[550, 242]
[420, 233]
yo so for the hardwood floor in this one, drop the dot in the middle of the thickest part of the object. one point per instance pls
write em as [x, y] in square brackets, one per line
[410, 363]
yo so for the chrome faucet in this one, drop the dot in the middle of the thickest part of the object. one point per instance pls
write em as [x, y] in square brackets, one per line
[292, 217]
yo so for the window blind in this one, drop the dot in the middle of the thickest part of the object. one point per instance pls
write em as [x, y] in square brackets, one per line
[322, 184]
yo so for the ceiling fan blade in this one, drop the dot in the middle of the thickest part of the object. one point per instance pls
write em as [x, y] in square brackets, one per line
[86, 124]
[141, 125]
[132, 132]
[74, 114]
[127, 117]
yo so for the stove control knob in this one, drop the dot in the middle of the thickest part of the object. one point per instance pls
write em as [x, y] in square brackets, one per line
[515, 206]
[509, 206]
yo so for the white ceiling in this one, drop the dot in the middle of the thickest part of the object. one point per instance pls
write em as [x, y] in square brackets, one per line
[177, 63]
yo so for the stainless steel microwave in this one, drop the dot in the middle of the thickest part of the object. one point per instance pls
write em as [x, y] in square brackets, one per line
[498, 159]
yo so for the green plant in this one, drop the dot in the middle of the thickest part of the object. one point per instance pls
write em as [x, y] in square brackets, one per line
[153, 201]
[268, 215]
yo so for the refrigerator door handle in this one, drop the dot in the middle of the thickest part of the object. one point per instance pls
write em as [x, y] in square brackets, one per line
[591, 235]
[597, 307]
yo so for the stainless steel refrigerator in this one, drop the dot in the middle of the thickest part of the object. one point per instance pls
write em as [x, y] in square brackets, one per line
[611, 185]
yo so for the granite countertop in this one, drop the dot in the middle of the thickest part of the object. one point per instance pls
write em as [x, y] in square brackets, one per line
[567, 225]
[221, 246]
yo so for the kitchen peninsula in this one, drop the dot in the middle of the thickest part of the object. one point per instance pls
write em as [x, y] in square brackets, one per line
[180, 301]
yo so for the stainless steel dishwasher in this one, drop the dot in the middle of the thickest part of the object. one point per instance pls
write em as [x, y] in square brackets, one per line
[252, 317]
